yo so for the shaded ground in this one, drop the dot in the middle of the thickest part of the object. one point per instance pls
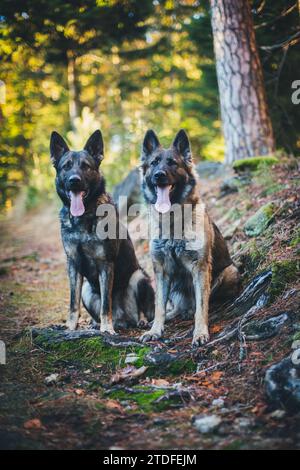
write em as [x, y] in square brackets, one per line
[89, 404]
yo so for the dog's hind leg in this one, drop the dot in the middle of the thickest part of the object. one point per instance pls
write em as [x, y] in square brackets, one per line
[227, 285]
[75, 279]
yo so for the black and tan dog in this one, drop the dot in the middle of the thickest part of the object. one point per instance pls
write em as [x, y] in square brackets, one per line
[105, 272]
[186, 274]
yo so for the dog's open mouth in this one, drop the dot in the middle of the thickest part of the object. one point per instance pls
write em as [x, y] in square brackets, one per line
[77, 207]
[163, 203]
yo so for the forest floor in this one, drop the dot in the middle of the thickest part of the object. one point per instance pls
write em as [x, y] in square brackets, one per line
[92, 393]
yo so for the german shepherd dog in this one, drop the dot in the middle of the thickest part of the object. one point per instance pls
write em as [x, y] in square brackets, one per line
[185, 277]
[103, 272]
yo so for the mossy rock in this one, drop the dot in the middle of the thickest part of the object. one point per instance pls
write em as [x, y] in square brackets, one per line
[259, 221]
[283, 273]
[253, 163]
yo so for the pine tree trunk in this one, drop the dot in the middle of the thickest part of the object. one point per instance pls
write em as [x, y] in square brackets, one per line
[72, 88]
[246, 122]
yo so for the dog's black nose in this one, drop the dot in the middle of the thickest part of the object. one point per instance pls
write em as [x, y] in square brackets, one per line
[160, 175]
[74, 179]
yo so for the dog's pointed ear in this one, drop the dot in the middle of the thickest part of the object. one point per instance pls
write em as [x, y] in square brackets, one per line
[183, 146]
[58, 147]
[150, 144]
[95, 146]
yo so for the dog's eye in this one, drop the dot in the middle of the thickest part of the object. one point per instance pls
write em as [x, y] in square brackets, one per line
[68, 165]
[155, 161]
[85, 166]
[171, 161]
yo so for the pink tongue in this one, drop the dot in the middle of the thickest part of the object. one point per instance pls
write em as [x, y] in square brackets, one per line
[77, 207]
[163, 203]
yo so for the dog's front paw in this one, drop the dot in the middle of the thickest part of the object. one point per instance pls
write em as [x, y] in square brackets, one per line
[152, 335]
[71, 324]
[108, 329]
[200, 338]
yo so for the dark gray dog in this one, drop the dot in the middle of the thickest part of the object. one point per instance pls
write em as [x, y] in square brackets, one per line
[104, 272]
[186, 273]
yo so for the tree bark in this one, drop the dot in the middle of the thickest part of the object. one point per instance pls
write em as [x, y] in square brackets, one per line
[72, 88]
[246, 122]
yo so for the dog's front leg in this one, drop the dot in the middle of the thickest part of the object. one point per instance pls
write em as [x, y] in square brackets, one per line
[106, 279]
[162, 294]
[75, 279]
[201, 281]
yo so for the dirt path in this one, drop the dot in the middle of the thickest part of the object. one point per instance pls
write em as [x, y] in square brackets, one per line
[81, 408]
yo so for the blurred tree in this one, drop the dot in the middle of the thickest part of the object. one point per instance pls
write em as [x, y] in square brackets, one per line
[245, 116]
[67, 30]
[159, 74]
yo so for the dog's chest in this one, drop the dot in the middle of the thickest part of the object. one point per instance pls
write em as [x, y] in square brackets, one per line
[79, 241]
[174, 255]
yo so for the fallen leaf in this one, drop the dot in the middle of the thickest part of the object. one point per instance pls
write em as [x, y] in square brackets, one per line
[215, 376]
[33, 424]
[215, 328]
[160, 382]
[113, 405]
[79, 392]
[128, 373]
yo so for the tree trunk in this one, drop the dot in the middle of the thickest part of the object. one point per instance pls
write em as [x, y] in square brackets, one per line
[72, 88]
[246, 122]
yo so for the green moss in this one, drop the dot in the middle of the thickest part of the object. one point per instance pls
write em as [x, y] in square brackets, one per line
[258, 223]
[283, 273]
[181, 365]
[253, 163]
[145, 398]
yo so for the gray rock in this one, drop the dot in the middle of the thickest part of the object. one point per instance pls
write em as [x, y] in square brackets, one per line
[278, 414]
[282, 384]
[129, 187]
[210, 170]
[51, 379]
[131, 358]
[243, 423]
[257, 224]
[259, 330]
[233, 184]
[218, 402]
[207, 424]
